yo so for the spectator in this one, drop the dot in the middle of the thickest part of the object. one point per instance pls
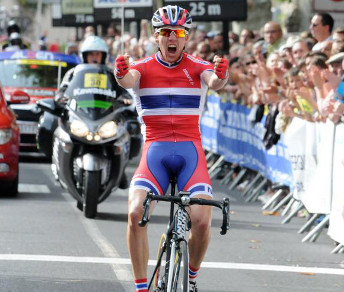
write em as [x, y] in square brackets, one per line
[260, 52]
[15, 43]
[218, 45]
[203, 51]
[337, 40]
[246, 37]
[273, 36]
[191, 47]
[321, 27]
[89, 30]
[299, 50]
[72, 49]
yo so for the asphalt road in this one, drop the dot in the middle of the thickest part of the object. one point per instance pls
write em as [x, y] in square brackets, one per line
[46, 245]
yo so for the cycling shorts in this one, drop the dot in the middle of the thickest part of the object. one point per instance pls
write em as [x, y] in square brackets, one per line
[161, 161]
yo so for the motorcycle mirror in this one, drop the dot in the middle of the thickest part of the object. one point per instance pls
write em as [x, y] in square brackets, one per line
[49, 105]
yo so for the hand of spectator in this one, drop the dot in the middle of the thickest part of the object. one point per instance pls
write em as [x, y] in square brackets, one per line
[264, 74]
[332, 78]
[279, 75]
[121, 66]
[305, 93]
[271, 89]
[221, 67]
[316, 77]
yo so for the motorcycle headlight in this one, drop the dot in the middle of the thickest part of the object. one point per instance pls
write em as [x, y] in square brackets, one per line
[5, 136]
[109, 129]
[78, 128]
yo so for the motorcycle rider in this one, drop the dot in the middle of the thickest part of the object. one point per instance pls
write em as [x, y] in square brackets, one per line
[94, 50]
[13, 27]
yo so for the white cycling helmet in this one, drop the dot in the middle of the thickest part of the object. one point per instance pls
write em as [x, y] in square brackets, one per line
[172, 15]
[91, 44]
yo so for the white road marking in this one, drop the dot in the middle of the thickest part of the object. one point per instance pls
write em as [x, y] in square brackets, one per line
[122, 273]
[210, 265]
[33, 188]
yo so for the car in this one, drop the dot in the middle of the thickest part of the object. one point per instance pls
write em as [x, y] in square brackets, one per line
[38, 74]
[9, 143]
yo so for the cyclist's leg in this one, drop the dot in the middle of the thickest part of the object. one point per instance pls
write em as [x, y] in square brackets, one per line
[137, 236]
[199, 185]
[200, 232]
[144, 180]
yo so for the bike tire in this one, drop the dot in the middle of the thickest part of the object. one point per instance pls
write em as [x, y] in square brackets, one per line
[91, 190]
[160, 267]
[179, 268]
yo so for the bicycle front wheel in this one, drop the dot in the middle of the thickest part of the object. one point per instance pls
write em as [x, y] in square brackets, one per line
[179, 273]
[158, 280]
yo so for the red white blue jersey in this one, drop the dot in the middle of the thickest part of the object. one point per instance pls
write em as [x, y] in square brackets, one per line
[170, 98]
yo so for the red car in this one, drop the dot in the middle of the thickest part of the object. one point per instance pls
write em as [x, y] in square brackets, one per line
[9, 143]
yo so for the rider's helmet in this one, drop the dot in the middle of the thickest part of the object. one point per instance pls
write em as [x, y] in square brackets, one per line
[15, 39]
[12, 26]
[172, 15]
[94, 43]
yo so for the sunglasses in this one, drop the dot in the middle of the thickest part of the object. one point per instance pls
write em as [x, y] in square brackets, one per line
[250, 63]
[166, 32]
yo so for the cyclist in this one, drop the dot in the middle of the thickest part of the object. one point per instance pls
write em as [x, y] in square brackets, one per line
[170, 88]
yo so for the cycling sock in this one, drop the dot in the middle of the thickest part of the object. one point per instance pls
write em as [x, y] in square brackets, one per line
[193, 273]
[141, 285]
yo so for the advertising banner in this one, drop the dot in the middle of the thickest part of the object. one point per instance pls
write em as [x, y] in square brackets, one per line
[227, 130]
[336, 227]
[318, 183]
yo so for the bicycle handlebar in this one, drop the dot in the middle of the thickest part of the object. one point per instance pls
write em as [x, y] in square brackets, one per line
[223, 205]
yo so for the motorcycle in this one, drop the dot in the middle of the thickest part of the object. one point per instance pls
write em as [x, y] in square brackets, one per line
[94, 138]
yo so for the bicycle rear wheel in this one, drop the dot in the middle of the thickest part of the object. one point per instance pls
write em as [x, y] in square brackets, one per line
[180, 272]
[158, 280]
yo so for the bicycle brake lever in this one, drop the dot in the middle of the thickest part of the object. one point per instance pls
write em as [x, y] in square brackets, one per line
[225, 220]
[146, 206]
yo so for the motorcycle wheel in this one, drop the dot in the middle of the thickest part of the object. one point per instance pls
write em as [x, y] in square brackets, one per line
[91, 190]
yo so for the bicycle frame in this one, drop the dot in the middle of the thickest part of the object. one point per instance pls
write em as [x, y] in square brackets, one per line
[179, 224]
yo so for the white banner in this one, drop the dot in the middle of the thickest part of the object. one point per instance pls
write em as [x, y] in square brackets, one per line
[295, 140]
[318, 183]
[336, 228]
[328, 5]
[122, 3]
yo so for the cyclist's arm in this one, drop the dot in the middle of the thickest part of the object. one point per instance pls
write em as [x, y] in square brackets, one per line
[213, 82]
[129, 80]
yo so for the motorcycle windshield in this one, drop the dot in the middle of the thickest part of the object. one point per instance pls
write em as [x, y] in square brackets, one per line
[92, 91]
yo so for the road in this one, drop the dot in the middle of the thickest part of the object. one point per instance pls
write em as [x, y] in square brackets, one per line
[46, 245]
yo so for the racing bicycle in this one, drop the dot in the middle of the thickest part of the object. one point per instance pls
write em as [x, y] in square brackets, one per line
[171, 272]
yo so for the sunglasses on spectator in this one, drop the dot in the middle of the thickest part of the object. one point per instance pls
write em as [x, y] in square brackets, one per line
[314, 24]
[250, 62]
[271, 31]
[166, 32]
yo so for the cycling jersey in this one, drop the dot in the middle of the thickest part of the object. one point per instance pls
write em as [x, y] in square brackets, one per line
[170, 98]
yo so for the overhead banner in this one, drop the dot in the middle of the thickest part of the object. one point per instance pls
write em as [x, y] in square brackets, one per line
[328, 5]
[227, 130]
[109, 10]
[213, 10]
[77, 12]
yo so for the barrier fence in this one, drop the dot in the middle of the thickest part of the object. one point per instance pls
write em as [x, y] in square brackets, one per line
[309, 159]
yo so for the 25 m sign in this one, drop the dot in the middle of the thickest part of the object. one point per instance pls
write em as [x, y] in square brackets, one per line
[212, 10]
